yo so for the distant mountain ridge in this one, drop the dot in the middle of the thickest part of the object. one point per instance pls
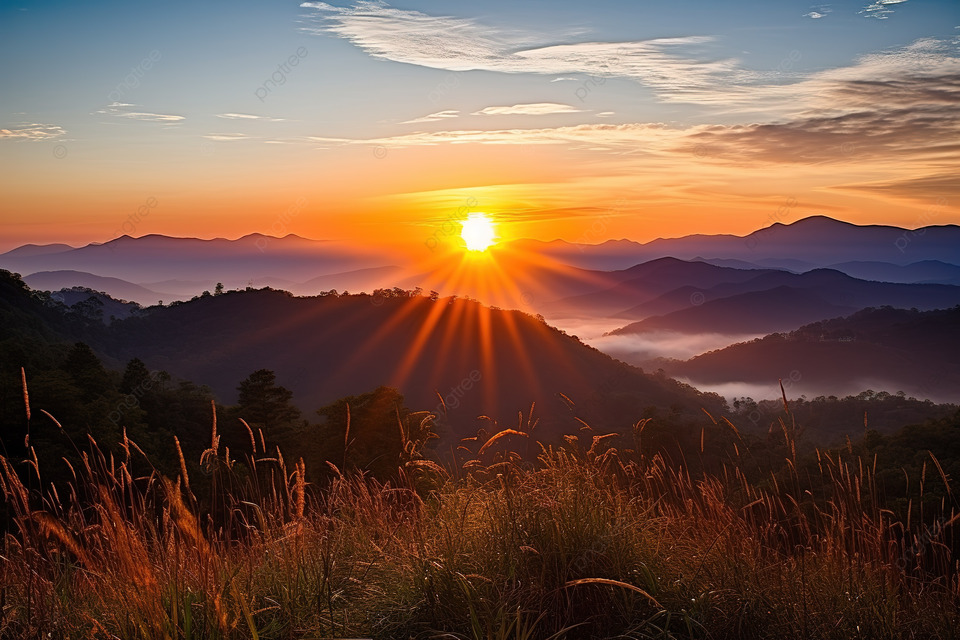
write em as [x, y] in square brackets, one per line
[781, 301]
[875, 348]
[117, 288]
[233, 262]
[614, 279]
[815, 241]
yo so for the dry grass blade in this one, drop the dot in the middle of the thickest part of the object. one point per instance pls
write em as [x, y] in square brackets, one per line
[943, 476]
[253, 441]
[214, 439]
[26, 393]
[427, 464]
[442, 403]
[613, 583]
[499, 436]
[55, 421]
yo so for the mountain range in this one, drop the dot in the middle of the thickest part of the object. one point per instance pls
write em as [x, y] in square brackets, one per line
[199, 264]
[455, 357]
[778, 301]
[647, 298]
[877, 348]
[557, 279]
[809, 243]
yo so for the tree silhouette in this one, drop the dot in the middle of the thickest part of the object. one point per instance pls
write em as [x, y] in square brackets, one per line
[265, 405]
[135, 377]
[374, 441]
[87, 372]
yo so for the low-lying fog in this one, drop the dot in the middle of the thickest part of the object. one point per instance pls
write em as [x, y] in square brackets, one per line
[645, 351]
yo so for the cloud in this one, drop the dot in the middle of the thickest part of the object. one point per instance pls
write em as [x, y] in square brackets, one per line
[895, 112]
[33, 132]
[532, 109]
[636, 137]
[936, 190]
[819, 11]
[880, 9]
[605, 114]
[921, 132]
[247, 116]
[902, 104]
[434, 117]
[121, 110]
[226, 137]
[677, 68]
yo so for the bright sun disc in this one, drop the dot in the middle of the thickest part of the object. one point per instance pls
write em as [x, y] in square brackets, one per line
[478, 232]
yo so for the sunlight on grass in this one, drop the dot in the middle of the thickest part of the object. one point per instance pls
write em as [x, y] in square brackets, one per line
[581, 541]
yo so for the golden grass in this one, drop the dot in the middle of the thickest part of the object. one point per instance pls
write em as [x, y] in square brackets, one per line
[582, 544]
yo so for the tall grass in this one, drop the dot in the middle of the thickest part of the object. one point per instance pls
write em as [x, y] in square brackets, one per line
[576, 542]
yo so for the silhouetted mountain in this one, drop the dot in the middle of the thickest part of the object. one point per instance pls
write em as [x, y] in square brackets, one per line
[886, 348]
[512, 278]
[767, 302]
[754, 312]
[530, 275]
[816, 241]
[358, 280]
[29, 250]
[479, 360]
[731, 263]
[232, 262]
[115, 287]
[647, 281]
[927, 271]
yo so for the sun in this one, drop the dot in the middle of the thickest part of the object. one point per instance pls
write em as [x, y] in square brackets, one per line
[478, 232]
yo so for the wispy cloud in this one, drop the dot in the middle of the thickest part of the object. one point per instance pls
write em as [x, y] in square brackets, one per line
[33, 132]
[248, 116]
[898, 104]
[637, 137]
[679, 69]
[227, 137]
[889, 134]
[819, 11]
[434, 117]
[880, 9]
[937, 189]
[531, 109]
[123, 110]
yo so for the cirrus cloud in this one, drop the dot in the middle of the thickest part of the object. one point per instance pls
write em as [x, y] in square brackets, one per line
[123, 110]
[531, 109]
[33, 131]
[677, 68]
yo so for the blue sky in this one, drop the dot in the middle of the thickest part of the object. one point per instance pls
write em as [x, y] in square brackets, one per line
[538, 109]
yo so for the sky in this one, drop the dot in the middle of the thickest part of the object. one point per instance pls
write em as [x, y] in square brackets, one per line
[386, 123]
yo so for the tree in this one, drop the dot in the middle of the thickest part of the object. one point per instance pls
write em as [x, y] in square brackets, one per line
[264, 404]
[135, 377]
[379, 433]
[218, 290]
[87, 372]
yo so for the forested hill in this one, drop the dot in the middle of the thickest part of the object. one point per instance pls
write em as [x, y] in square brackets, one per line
[878, 348]
[479, 360]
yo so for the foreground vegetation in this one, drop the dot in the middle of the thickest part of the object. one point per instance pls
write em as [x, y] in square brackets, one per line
[125, 515]
[582, 541]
